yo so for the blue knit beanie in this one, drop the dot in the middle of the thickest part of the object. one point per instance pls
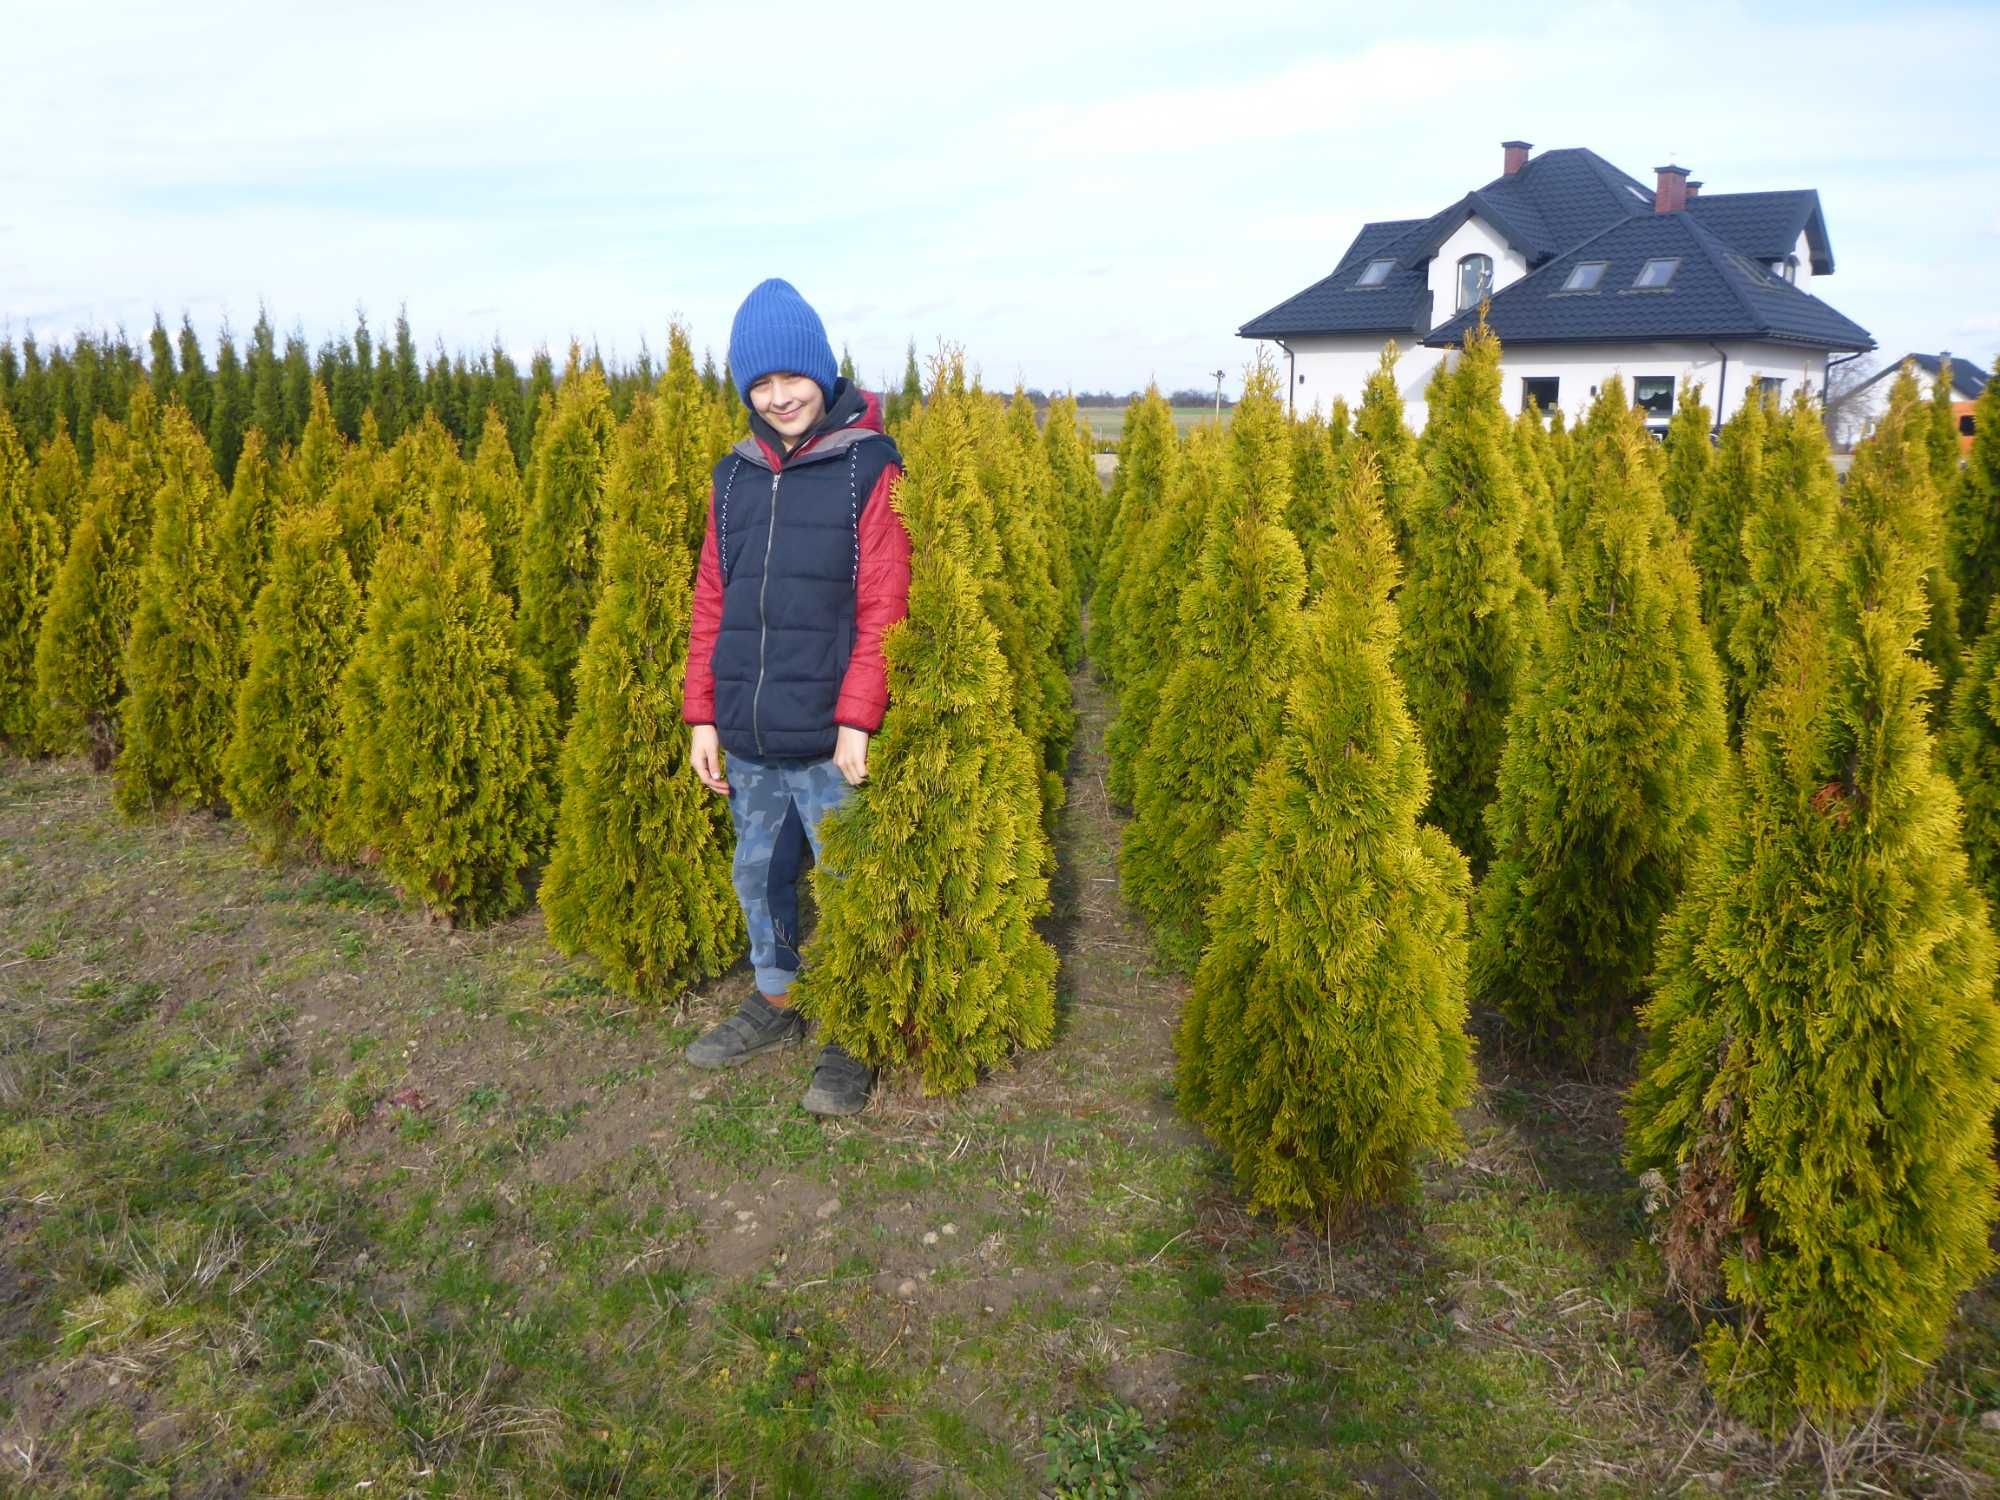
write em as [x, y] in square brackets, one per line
[777, 332]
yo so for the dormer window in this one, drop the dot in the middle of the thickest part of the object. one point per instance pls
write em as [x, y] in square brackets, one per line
[1475, 280]
[1657, 275]
[1377, 272]
[1789, 269]
[1586, 276]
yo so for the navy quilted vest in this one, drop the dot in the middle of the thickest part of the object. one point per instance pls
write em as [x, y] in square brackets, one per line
[788, 543]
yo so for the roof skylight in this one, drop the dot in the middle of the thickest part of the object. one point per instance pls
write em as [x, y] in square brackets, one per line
[1585, 276]
[1655, 275]
[1377, 272]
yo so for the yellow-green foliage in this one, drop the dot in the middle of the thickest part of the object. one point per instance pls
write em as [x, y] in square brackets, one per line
[314, 466]
[248, 517]
[1972, 750]
[363, 498]
[281, 770]
[1784, 543]
[30, 539]
[640, 876]
[1315, 478]
[1048, 510]
[185, 653]
[1900, 447]
[1324, 1044]
[496, 493]
[559, 553]
[1079, 497]
[1149, 456]
[1220, 704]
[926, 955]
[1941, 430]
[1689, 455]
[1148, 606]
[1541, 548]
[447, 731]
[1731, 493]
[1379, 423]
[1824, 1061]
[80, 653]
[58, 487]
[1972, 530]
[698, 431]
[1469, 614]
[1614, 745]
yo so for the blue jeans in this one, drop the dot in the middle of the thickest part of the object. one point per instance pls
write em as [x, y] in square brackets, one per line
[777, 811]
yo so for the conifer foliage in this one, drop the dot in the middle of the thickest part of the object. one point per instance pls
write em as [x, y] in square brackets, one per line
[926, 955]
[446, 730]
[1973, 515]
[185, 653]
[1814, 1109]
[1148, 458]
[1972, 751]
[559, 559]
[281, 771]
[1324, 1044]
[30, 542]
[1613, 748]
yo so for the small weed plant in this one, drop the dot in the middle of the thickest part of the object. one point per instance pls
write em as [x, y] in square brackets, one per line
[1095, 1454]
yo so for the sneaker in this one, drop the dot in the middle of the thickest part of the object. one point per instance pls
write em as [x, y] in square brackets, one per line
[840, 1085]
[758, 1026]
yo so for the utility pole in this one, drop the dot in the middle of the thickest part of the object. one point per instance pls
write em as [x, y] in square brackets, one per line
[1218, 396]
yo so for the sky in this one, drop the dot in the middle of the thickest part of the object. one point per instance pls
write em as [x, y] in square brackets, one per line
[1080, 195]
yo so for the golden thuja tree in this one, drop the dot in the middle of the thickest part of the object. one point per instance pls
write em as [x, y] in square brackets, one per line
[1324, 1044]
[1730, 493]
[559, 554]
[497, 494]
[1813, 1114]
[1315, 480]
[80, 653]
[59, 484]
[281, 771]
[1220, 702]
[640, 877]
[926, 956]
[1379, 422]
[1689, 454]
[185, 653]
[447, 730]
[1614, 744]
[1900, 445]
[1971, 746]
[30, 542]
[1148, 457]
[1049, 511]
[1079, 496]
[1541, 546]
[248, 518]
[1972, 529]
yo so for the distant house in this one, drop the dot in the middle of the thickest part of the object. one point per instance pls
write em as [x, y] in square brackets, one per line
[1866, 400]
[1590, 275]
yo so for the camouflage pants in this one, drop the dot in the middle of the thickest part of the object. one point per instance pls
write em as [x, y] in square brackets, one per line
[777, 811]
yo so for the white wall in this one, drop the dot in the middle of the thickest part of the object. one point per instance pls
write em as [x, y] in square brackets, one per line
[1325, 368]
[1474, 237]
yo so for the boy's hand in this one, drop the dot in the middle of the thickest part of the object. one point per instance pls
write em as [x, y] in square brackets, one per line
[850, 754]
[705, 754]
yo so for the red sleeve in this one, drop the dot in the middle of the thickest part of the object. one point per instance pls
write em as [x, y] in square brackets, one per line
[881, 598]
[698, 690]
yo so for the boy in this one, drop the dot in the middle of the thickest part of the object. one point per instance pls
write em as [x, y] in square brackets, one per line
[804, 566]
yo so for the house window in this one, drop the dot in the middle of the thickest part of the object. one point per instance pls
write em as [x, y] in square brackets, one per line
[1656, 275]
[1771, 388]
[1789, 269]
[1968, 425]
[1585, 276]
[1377, 272]
[1475, 280]
[1539, 391]
[1654, 395]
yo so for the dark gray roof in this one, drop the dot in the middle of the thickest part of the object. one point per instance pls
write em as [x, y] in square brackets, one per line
[1767, 226]
[1563, 199]
[1716, 292]
[1968, 381]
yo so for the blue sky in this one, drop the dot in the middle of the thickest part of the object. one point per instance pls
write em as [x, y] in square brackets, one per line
[1087, 194]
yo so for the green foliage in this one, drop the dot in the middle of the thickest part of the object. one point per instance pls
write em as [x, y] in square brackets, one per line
[559, 556]
[1971, 747]
[1047, 508]
[1315, 477]
[1079, 497]
[1972, 529]
[446, 729]
[1149, 456]
[697, 430]
[1899, 450]
[1097, 1454]
[229, 408]
[59, 486]
[1614, 745]
[243, 530]
[80, 653]
[1941, 430]
[1380, 424]
[497, 495]
[1324, 1044]
[1689, 455]
[1221, 698]
[1732, 493]
[640, 878]
[184, 656]
[1469, 615]
[1784, 542]
[926, 954]
[281, 770]
[314, 465]
[30, 543]
[1816, 1100]
[1145, 615]
[1541, 547]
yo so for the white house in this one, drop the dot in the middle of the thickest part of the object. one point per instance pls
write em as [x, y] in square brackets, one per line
[1590, 275]
[1867, 401]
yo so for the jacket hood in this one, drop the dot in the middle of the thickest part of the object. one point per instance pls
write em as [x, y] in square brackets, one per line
[850, 417]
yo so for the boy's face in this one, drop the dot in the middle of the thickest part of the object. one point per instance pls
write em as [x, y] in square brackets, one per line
[790, 403]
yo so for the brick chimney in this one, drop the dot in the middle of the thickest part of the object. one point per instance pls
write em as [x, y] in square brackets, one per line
[1671, 196]
[1694, 190]
[1516, 157]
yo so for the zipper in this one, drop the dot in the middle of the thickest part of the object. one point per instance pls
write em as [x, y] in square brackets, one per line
[763, 625]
